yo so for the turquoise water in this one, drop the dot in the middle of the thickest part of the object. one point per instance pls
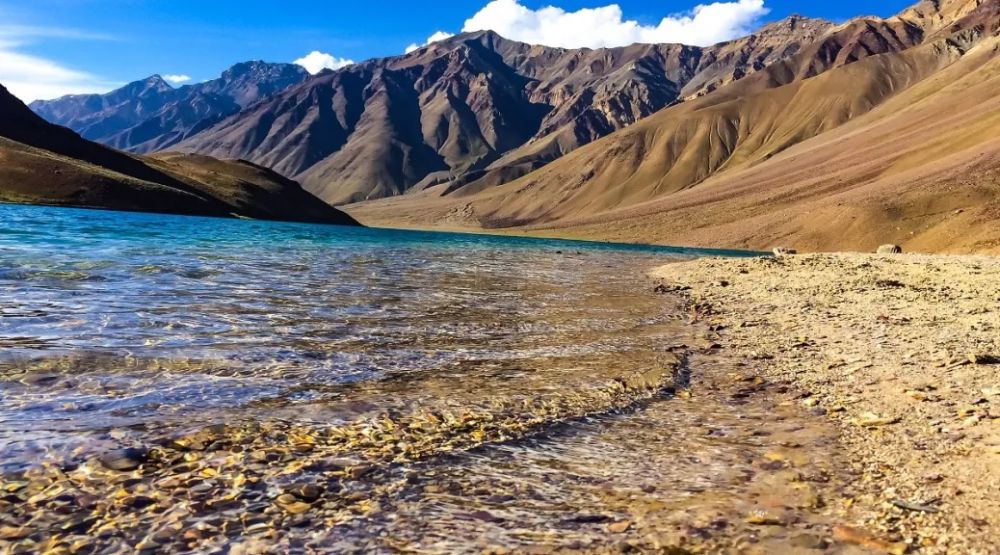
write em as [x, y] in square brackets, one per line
[114, 320]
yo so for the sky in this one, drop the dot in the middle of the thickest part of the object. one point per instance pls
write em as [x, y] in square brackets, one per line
[49, 48]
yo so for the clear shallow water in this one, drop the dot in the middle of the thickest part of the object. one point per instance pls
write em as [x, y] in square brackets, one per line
[440, 393]
[119, 320]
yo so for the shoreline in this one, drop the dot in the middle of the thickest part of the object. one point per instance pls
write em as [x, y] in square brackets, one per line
[896, 354]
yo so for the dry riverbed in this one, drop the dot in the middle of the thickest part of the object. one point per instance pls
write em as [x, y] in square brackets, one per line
[901, 354]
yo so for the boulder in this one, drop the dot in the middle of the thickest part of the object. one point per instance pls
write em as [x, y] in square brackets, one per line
[784, 251]
[890, 249]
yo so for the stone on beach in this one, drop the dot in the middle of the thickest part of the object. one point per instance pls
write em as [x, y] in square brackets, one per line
[124, 460]
[890, 249]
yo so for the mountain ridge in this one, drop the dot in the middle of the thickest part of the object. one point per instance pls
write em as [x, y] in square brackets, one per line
[384, 126]
[42, 163]
[780, 159]
[149, 114]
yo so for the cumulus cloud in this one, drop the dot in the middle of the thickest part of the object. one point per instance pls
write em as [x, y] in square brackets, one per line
[436, 37]
[317, 61]
[177, 79]
[31, 77]
[606, 26]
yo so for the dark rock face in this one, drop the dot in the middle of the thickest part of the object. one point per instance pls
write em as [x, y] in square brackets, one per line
[476, 108]
[150, 115]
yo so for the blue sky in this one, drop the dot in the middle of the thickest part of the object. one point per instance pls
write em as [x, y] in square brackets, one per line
[53, 47]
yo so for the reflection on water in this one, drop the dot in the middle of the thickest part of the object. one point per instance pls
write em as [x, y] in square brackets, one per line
[442, 392]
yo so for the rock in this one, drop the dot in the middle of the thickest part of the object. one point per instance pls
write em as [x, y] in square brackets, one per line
[915, 507]
[784, 251]
[11, 533]
[306, 492]
[846, 534]
[124, 460]
[590, 518]
[297, 508]
[890, 249]
[139, 502]
[980, 359]
[808, 542]
[619, 527]
[199, 440]
[40, 379]
[869, 420]
[761, 518]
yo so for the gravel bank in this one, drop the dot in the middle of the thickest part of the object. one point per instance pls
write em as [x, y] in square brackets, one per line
[902, 355]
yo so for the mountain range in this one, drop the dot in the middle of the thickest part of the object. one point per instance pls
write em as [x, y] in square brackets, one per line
[42, 163]
[807, 132]
[150, 115]
[881, 131]
[476, 108]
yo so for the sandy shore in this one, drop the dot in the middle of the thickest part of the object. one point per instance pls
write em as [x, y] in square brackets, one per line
[898, 353]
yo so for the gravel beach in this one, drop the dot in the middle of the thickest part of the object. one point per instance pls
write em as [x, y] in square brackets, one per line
[901, 354]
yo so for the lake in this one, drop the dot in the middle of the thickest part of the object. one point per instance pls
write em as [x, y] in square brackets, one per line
[428, 386]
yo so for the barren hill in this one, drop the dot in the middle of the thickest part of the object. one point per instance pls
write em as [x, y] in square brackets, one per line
[42, 163]
[854, 141]
[476, 107]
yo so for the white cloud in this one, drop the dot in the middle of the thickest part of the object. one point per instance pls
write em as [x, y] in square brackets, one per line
[606, 26]
[13, 30]
[436, 37]
[317, 61]
[177, 79]
[30, 77]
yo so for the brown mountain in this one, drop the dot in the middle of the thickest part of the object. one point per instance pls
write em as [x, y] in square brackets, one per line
[476, 107]
[42, 163]
[150, 115]
[880, 131]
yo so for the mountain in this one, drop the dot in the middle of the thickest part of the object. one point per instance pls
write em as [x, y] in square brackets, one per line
[476, 107]
[150, 115]
[42, 163]
[881, 131]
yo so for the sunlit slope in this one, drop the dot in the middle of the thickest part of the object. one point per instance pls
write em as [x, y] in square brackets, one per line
[866, 152]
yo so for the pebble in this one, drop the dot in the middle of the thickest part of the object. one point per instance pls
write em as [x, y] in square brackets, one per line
[854, 536]
[306, 492]
[124, 460]
[808, 541]
[619, 527]
[761, 518]
[297, 507]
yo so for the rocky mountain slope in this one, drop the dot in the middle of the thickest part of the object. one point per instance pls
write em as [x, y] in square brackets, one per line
[476, 107]
[42, 163]
[150, 115]
[882, 131]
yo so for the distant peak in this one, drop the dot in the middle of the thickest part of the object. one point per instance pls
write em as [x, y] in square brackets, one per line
[259, 66]
[487, 36]
[794, 22]
[155, 81]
